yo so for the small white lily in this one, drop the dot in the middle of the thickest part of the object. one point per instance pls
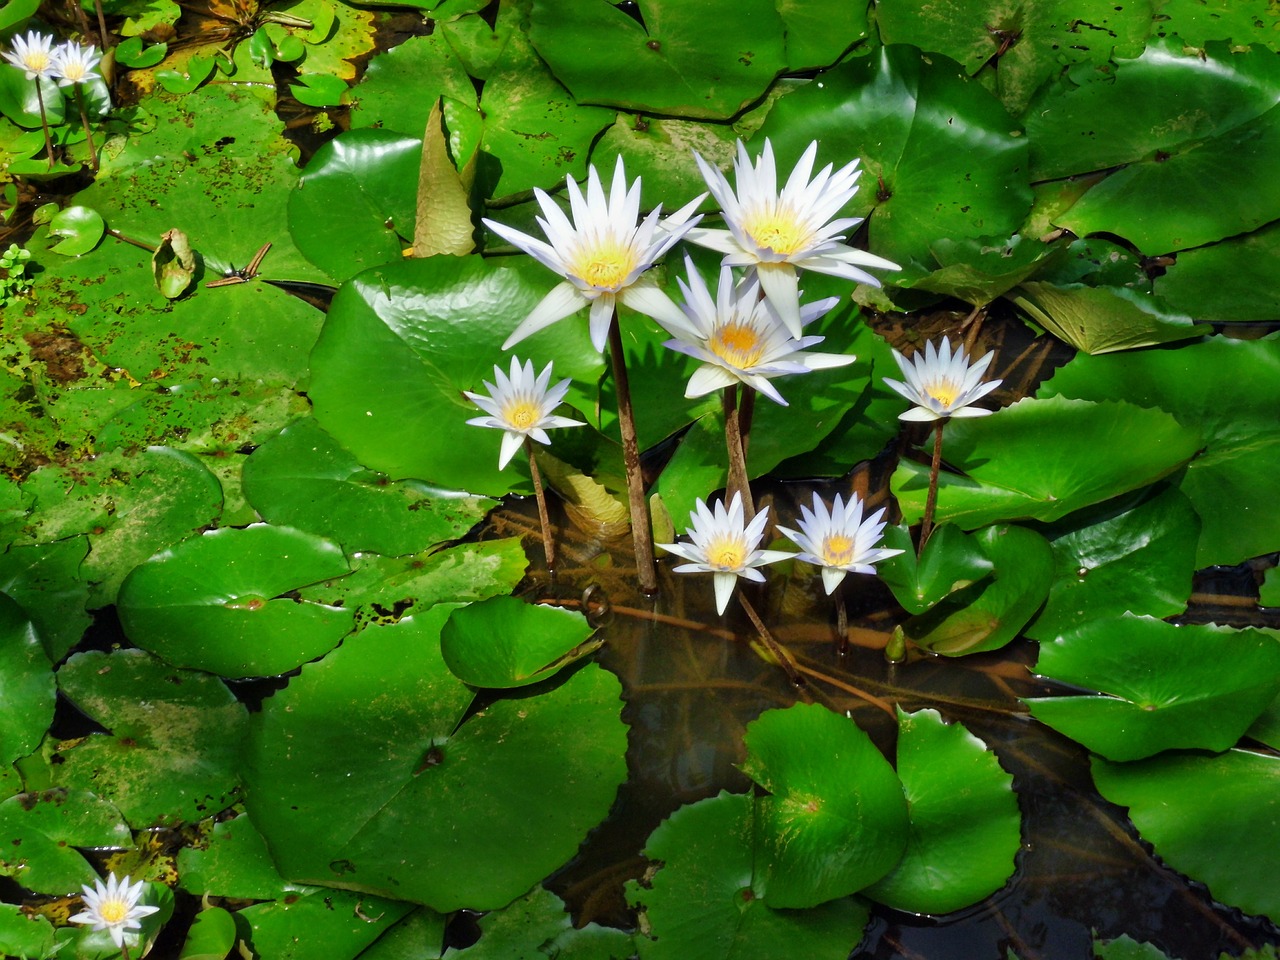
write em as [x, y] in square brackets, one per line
[74, 64]
[114, 907]
[602, 253]
[839, 541]
[521, 406]
[32, 54]
[723, 547]
[942, 384]
[740, 338]
[779, 233]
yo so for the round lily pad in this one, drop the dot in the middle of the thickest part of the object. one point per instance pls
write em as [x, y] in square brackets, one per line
[368, 772]
[1160, 686]
[505, 642]
[215, 602]
[43, 829]
[965, 824]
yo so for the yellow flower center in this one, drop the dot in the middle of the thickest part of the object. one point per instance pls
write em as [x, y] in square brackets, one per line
[605, 265]
[37, 62]
[777, 231]
[113, 911]
[737, 344]
[522, 414]
[944, 391]
[837, 550]
[727, 554]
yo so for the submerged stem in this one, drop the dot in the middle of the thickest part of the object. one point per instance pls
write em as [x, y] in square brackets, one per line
[548, 539]
[641, 532]
[926, 524]
[785, 660]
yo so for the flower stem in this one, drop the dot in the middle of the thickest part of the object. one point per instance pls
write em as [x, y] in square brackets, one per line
[124, 951]
[641, 532]
[44, 123]
[548, 540]
[102, 26]
[737, 482]
[88, 133]
[926, 524]
[842, 621]
[746, 412]
[785, 660]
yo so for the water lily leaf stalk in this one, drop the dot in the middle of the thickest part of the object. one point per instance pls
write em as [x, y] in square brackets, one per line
[931, 501]
[548, 538]
[641, 533]
[736, 444]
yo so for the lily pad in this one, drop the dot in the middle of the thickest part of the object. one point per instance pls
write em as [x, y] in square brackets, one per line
[1102, 319]
[174, 747]
[504, 642]
[1133, 555]
[965, 824]
[231, 860]
[26, 677]
[1206, 816]
[1099, 450]
[952, 560]
[305, 479]
[369, 773]
[703, 902]
[401, 344]
[536, 926]
[320, 925]
[1227, 281]
[1212, 389]
[40, 832]
[942, 146]
[25, 935]
[834, 819]
[215, 602]
[1161, 686]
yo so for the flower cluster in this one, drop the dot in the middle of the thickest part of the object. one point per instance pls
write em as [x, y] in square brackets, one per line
[69, 63]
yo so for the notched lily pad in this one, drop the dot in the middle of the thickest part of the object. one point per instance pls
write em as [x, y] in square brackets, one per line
[505, 642]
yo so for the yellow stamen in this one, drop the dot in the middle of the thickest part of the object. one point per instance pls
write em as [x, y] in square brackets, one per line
[777, 231]
[737, 344]
[727, 555]
[837, 550]
[605, 266]
[522, 414]
[113, 911]
[944, 391]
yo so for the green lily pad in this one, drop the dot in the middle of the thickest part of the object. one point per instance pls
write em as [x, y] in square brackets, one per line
[128, 505]
[24, 935]
[834, 819]
[1125, 947]
[231, 860]
[40, 832]
[174, 746]
[1099, 450]
[1212, 389]
[212, 935]
[952, 560]
[965, 824]
[80, 229]
[1133, 556]
[536, 926]
[660, 152]
[418, 936]
[504, 642]
[216, 602]
[402, 342]
[26, 677]
[303, 478]
[980, 270]
[706, 60]
[320, 924]
[1102, 319]
[1207, 816]
[989, 615]
[1227, 281]
[703, 902]
[944, 148]
[1161, 686]
[377, 737]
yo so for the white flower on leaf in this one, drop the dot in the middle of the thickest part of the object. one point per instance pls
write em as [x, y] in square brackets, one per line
[839, 540]
[114, 907]
[32, 54]
[942, 384]
[740, 338]
[602, 253]
[724, 547]
[779, 233]
[521, 405]
[74, 64]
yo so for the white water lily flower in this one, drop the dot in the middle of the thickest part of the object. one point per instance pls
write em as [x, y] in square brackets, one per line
[114, 907]
[602, 253]
[780, 233]
[942, 384]
[839, 541]
[724, 548]
[74, 64]
[32, 54]
[740, 338]
[521, 406]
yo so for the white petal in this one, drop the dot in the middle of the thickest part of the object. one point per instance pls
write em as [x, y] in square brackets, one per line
[511, 442]
[724, 583]
[831, 578]
[780, 285]
[556, 305]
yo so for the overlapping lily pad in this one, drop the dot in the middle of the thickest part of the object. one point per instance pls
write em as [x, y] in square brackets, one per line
[504, 642]
[216, 602]
[367, 772]
[1231, 280]
[952, 560]
[538, 923]
[40, 832]
[1161, 686]
[26, 677]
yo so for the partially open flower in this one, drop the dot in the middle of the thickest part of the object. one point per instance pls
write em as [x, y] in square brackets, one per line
[114, 907]
[602, 253]
[942, 384]
[740, 339]
[723, 547]
[32, 54]
[74, 64]
[779, 233]
[521, 407]
[839, 541]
